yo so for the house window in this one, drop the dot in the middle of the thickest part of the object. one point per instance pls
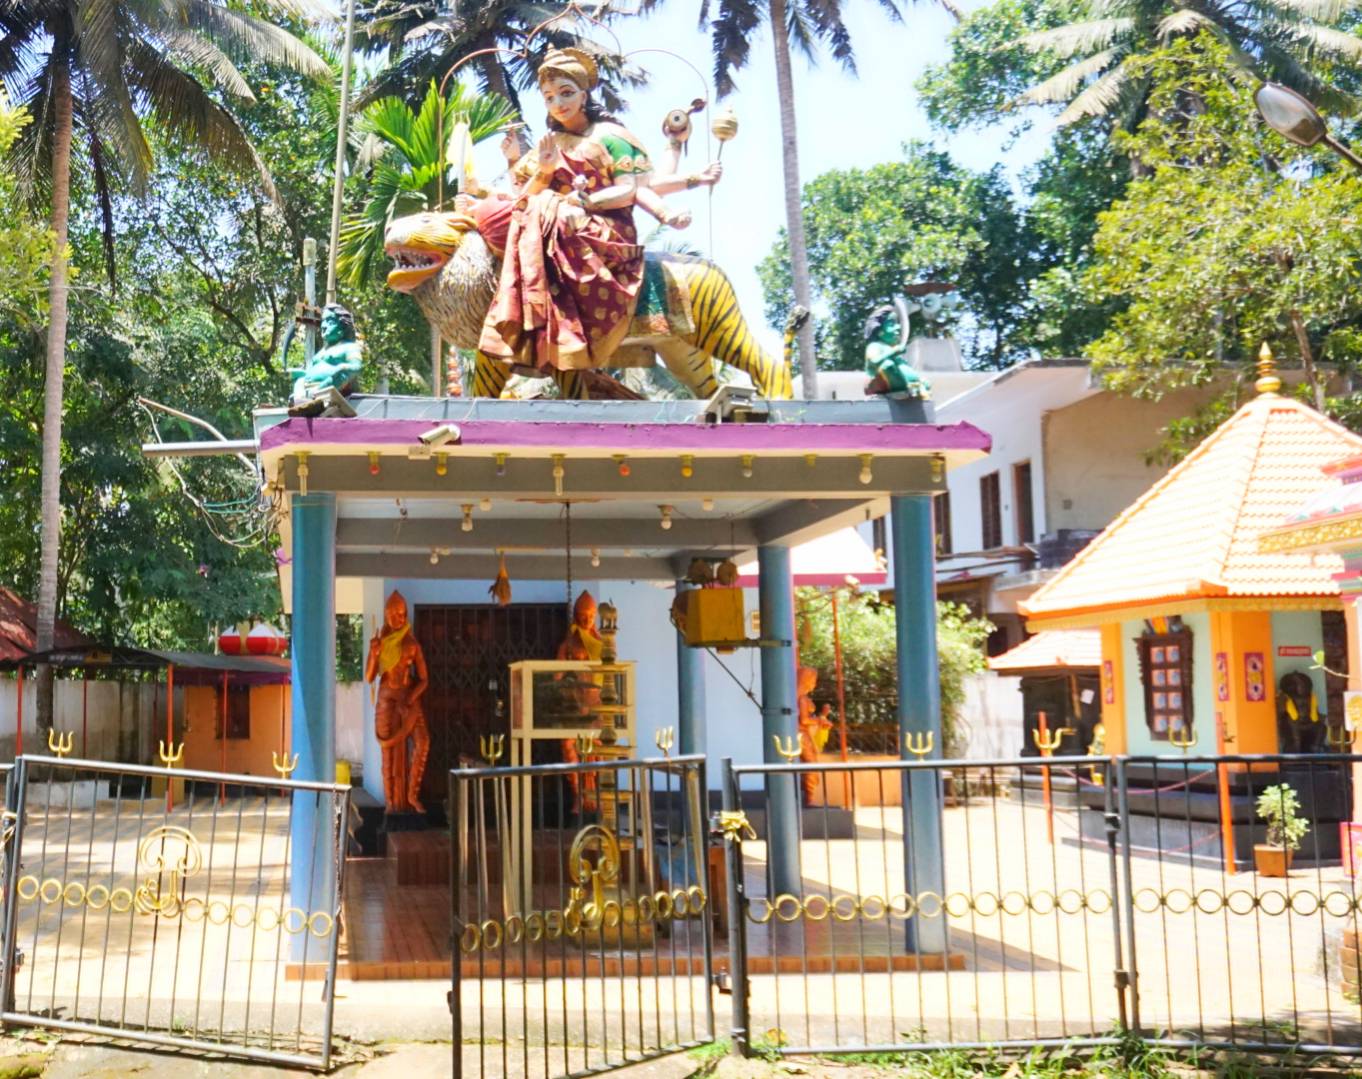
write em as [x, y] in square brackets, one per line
[941, 519]
[991, 511]
[238, 712]
[1021, 498]
[1166, 672]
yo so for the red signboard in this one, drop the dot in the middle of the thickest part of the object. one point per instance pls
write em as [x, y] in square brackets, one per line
[1294, 650]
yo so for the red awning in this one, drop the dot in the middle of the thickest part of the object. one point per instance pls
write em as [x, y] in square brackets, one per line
[18, 632]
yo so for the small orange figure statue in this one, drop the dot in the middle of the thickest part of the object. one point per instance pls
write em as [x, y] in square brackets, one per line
[583, 642]
[396, 659]
[813, 730]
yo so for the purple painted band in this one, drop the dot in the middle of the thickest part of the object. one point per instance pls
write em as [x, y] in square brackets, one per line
[903, 438]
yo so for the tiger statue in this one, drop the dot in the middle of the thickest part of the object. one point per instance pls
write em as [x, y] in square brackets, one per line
[693, 320]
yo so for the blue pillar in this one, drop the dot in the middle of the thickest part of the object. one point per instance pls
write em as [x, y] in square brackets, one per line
[313, 644]
[919, 710]
[690, 694]
[775, 592]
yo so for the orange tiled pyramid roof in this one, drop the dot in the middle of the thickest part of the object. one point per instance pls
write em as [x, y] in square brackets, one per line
[1194, 534]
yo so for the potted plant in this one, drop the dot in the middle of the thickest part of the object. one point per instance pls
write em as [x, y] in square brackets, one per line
[1277, 806]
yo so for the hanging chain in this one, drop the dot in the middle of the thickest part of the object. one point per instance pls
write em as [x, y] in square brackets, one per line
[567, 517]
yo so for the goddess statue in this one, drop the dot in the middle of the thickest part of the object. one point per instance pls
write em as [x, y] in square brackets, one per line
[396, 660]
[572, 265]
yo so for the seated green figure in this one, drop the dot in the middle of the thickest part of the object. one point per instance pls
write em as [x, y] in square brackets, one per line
[886, 360]
[333, 369]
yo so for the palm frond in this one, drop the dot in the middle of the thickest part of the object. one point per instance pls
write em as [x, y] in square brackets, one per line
[185, 108]
[731, 34]
[1328, 41]
[1183, 21]
[247, 37]
[197, 51]
[1065, 41]
[1063, 85]
[1099, 98]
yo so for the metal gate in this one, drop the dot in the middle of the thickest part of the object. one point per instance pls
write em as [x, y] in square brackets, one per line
[173, 907]
[582, 914]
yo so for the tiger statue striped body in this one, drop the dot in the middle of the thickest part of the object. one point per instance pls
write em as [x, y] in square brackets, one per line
[443, 263]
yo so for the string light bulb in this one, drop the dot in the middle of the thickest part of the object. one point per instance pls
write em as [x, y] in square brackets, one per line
[485, 505]
[596, 557]
[747, 460]
[707, 504]
[467, 525]
[442, 464]
[666, 521]
[500, 459]
[865, 475]
[558, 473]
[434, 557]
[687, 466]
[622, 463]
[373, 462]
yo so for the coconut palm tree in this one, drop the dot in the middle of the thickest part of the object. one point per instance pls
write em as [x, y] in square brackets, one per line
[806, 25]
[1283, 40]
[425, 39]
[90, 72]
[399, 150]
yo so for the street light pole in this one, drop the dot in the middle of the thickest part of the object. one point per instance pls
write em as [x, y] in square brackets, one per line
[1293, 117]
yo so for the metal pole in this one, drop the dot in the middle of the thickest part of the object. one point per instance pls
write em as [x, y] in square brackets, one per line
[170, 733]
[342, 125]
[690, 695]
[19, 729]
[737, 916]
[222, 787]
[841, 679]
[310, 295]
[778, 719]
[84, 714]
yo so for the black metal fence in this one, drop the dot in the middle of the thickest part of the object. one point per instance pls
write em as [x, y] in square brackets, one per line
[582, 909]
[172, 907]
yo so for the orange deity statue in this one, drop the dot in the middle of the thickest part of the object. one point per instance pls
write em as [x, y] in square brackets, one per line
[813, 730]
[583, 642]
[396, 660]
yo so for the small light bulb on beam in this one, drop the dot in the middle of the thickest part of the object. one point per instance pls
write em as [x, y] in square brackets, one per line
[865, 475]
[434, 557]
[373, 462]
[707, 504]
[666, 521]
[687, 466]
[485, 505]
[442, 464]
[467, 525]
[500, 459]
[596, 557]
[747, 461]
[622, 463]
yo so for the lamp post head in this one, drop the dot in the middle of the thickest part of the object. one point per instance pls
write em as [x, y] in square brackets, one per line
[1289, 114]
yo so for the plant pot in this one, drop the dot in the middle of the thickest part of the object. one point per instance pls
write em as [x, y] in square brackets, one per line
[1272, 861]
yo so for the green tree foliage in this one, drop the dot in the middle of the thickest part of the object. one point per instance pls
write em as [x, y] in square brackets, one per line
[402, 152]
[25, 246]
[869, 647]
[1234, 237]
[871, 231]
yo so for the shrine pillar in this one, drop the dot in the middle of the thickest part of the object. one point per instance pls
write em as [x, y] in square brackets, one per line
[775, 594]
[690, 693]
[313, 647]
[919, 710]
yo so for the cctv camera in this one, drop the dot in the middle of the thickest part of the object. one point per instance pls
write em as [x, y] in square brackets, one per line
[442, 435]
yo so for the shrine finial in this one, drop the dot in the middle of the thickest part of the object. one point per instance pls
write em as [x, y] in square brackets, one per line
[1268, 382]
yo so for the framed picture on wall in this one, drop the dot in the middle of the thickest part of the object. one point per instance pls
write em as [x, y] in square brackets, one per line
[1255, 678]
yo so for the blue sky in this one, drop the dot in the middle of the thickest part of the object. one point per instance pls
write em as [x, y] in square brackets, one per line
[843, 122]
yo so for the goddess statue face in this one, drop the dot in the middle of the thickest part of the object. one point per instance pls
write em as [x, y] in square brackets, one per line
[395, 611]
[584, 611]
[564, 99]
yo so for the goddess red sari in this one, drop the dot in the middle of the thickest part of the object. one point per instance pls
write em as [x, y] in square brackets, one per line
[570, 278]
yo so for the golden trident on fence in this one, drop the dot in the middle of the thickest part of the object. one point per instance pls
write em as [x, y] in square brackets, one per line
[919, 743]
[492, 747]
[172, 756]
[1046, 744]
[60, 742]
[789, 749]
[283, 765]
[1340, 739]
[1184, 743]
[585, 743]
[665, 739]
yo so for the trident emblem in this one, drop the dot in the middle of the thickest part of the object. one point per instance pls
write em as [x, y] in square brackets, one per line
[170, 757]
[1340, 739]
[789, 749]
[492, 747]
[918, 744]
[1184, 743]
[665, 739]
[1048, 741]
[584, 742]
[60, 742]
[283, 765]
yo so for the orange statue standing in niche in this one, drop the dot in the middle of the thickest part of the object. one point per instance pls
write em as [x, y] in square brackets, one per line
[396, 659]
[583, 642]
[813, 731]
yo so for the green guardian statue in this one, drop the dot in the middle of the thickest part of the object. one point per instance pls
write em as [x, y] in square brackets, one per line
[320, 387]
[886, 346]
